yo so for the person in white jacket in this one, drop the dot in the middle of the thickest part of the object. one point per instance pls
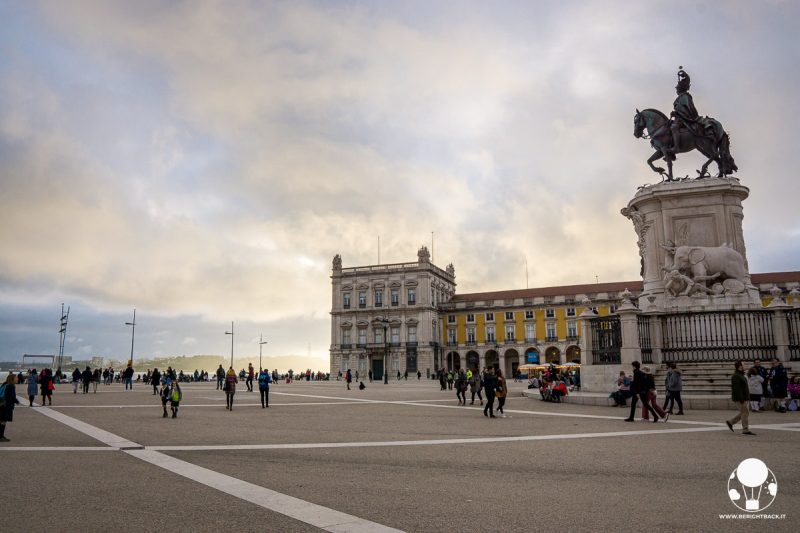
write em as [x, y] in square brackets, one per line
[756, 385]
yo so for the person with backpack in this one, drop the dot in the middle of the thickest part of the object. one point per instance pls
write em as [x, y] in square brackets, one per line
[230, 388]
[500, 391]
[76, 378]
[461, 387]
[46, 386]
[175, 396]
[264, 379]
[33, 382]
[8, 399]
[674, 385]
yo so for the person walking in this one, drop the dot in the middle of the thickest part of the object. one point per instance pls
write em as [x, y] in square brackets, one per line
[264, 380]
[419, 375]
[230, 388]
[95, 380]
[369, 375]
[461, 387]
[76, 378]
[761, 371]
[673, 384]
[778, 382]
[33, 381]
[639, 391]
[489, 388]
[175, 397]
[164, 395]
[652, 396]
[8, 397]
[442, 380]
[450, 379]
[86, 379]
[475, 387]
[740, 394]
[250, 375]
[220, 377]
[501, 392]
[755, 387]
[348, 377]
[155, 380]
[46, 386]
[127, 377]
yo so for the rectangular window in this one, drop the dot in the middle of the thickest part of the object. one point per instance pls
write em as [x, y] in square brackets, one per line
[362, 299]
[530, 332]
[551, 332]
[412, 296]
[572, 329]
[412, 334]
[613, 308]
[346, 337]
[470, 317]
[378, 336]
[378, 297]
[345, 363]
[346, 300]
[471, 335]
[362, 336]
[451, 319]
[395, 297]
[451, 336]
[489, 317]
[570, 311]
[549, 313]
[509, 315]
[510, 335]
[489, 333]
[395, 334]
[529, 315]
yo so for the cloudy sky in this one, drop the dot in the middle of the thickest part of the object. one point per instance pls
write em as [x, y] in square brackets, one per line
[202, 161]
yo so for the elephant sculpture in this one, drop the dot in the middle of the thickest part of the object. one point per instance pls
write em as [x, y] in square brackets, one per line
[704, 263]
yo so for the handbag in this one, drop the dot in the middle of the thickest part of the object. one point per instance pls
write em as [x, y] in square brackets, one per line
[50, 386]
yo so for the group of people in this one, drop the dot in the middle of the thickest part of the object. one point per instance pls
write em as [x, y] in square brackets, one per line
[489, 383]
[645, 390]
[265, 379]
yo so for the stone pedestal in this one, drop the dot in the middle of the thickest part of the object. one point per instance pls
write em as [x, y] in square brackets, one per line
[676, 223]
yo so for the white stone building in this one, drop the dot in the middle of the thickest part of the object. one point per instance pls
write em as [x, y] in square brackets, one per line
[387, 316]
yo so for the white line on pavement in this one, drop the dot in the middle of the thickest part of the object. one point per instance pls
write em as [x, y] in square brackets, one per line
[432, 442]
[57, 449]
[310, 513]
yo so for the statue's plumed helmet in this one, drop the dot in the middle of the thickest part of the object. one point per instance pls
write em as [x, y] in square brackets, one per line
[683, 80]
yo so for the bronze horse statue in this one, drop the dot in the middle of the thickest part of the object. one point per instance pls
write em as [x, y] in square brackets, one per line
[715, 145]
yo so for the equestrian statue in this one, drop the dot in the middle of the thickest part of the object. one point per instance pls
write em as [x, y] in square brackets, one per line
[685, 130]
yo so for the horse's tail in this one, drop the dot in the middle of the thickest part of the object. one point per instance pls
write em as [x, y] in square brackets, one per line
[728, 165]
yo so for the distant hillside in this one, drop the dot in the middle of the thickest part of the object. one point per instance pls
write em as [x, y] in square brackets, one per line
[190, 363]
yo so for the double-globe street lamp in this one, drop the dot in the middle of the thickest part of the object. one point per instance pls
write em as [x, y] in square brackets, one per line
[385, 322]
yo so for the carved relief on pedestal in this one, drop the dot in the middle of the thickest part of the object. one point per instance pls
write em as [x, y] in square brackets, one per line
[641, 226]
[699, 270]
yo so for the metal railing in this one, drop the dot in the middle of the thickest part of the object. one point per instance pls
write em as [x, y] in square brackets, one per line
[643, 325]
[717, 336]
[606, 340]
[793, 326]
[551, 338]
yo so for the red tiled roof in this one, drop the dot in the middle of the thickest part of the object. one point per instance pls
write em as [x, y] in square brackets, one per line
[594, 288]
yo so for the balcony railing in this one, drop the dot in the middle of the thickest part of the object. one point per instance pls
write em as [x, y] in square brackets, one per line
[362, 306]
[471, 343]
[572, 338]
[378, 304]
[530, 340]
[452, 343]
[361, 345]
[411, 344]
[394, 344]
[346, 306]
[510, 341]
[551, 338]
[347, 346]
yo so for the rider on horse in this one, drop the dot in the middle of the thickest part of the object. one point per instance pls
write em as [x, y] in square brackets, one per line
[684, 113]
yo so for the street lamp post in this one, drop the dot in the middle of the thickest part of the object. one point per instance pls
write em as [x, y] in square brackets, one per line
[133, 333]
[261, 343]
[231, 334]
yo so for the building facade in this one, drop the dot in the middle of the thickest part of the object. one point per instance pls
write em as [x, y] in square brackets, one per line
[429, 326]
[387, 317]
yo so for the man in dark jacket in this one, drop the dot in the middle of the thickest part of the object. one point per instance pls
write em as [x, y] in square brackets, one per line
[639, 390]
[76, 378]
[489, 384]
[778, 382]
[155, 380]
[86, 378]
[220, 377]
[740, 394]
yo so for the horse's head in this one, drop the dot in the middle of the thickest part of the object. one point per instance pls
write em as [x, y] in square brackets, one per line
[638, 124]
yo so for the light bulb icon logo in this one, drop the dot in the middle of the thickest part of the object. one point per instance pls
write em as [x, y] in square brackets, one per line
[752, 486]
